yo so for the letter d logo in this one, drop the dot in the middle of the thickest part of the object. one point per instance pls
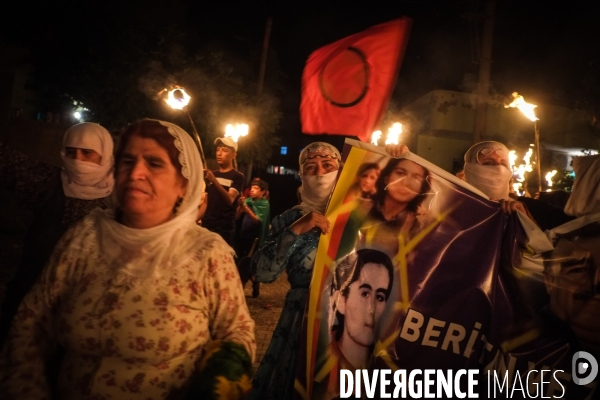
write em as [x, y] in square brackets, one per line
[582, 363]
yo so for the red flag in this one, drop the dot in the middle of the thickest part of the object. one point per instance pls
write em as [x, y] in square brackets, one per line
[346, 85]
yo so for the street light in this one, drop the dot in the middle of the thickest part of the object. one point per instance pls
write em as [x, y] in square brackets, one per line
[528, 110]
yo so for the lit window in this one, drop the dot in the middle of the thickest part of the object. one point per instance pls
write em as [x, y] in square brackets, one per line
[283, 150]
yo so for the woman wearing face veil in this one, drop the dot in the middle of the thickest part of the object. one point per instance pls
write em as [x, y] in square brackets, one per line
[145, 303]
[291, 246]
[487, 168]
[60, 198]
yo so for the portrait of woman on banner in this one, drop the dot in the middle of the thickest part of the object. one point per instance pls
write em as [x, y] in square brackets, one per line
[361, 285]
[398, 206]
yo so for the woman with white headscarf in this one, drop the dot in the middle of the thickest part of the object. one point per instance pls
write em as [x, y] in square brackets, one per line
[59, 197]
[145, 303]
[87, 155]
[487, 168]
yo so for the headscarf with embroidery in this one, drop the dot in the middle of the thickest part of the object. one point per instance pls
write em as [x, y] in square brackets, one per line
[316, 189]
[144, 251]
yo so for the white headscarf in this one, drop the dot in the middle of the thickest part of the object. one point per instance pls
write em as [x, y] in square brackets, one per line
[86, 180]
[316, 189]
[585, 197]
[493, 180]
[143, 251]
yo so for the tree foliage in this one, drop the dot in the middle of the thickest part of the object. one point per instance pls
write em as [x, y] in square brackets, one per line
[117, 62]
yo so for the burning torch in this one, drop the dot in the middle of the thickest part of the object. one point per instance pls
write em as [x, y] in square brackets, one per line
[235, 132]
[178, 99]
[393, 134]
[528, 110]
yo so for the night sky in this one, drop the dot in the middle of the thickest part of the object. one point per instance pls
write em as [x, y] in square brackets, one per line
[545, 50]
[540, 49]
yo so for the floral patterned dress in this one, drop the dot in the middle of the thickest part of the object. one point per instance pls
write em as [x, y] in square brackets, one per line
[124, 337]
[284, 250]
[37, 187]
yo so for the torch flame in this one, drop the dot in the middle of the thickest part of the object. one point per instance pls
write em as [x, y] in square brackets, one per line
[526, 108]
[236, 131]
[177, 98]
[512, 157]
[520, 171]
[393, 133]
[549, 177]
[527, 159]
[375, 137]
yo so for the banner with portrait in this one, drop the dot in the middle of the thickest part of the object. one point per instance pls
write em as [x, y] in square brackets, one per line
[420, 271]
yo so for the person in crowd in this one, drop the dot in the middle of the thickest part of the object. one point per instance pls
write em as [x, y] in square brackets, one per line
[572, 278]
[557, 198]
[291, 246]
[58, 197]
[585, 197]
[225, 185]
[572, 269]
[145, 303]
[402, 187]
[253, 216]
[246, 192]
[364, 184]
[488, 169]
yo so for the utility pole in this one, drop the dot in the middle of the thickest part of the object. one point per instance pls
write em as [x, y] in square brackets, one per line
[265, 52]
[485, 65]
[261, 78]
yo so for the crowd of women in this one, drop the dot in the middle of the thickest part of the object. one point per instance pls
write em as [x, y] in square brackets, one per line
[137, 301]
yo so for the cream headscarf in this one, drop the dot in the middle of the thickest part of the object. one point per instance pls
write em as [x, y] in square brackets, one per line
[143, 251]
[316, 189]
[585, 197]
[493, 180]
[85, 180]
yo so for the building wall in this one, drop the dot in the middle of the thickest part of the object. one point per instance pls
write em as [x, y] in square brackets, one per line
[37, 139]
[441, 125]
